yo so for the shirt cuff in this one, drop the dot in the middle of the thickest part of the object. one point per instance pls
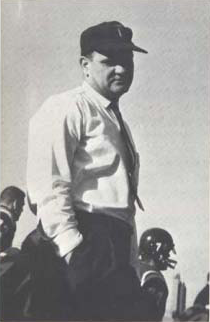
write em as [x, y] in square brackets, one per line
[67, 241]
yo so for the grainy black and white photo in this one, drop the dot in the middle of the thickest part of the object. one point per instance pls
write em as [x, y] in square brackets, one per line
[104, 197]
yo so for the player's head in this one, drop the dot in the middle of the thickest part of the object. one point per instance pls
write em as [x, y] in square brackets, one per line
[13, 198]
[157, 244]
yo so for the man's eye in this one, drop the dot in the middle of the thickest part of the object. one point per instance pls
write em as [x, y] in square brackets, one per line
[108, 63]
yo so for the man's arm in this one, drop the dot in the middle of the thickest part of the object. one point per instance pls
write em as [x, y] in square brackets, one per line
[54, 135]
[156, 286]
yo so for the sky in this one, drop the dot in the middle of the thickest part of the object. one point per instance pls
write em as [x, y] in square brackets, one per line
[166, 107]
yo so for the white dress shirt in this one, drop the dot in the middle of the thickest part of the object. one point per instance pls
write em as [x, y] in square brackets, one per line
[77, 161]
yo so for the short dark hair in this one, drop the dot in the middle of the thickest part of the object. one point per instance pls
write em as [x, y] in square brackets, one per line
[12, 193]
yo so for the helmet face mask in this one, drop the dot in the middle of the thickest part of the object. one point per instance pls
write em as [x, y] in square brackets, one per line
[157, 244]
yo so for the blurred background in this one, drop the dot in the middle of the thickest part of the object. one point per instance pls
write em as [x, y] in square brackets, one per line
[166, 107]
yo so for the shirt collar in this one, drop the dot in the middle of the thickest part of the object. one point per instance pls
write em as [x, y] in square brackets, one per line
[103, 101]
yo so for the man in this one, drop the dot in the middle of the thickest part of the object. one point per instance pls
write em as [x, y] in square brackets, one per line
[194, 313]
[155, 247]
[83, 173]
[13, 268]
[202, 298]
[199, 311]
[11, 207]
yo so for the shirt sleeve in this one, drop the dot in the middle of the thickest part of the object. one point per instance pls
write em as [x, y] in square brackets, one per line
[54, 135]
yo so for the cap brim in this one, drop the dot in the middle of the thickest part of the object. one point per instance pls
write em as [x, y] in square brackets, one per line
[113, 46]
[140, 50]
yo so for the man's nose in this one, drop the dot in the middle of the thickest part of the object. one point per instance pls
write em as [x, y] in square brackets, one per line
[120, 69]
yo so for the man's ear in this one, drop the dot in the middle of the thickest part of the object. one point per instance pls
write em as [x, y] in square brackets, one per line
[14, 205]
[84, 63]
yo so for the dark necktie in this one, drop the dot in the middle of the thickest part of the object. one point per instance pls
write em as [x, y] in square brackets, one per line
[130, 152]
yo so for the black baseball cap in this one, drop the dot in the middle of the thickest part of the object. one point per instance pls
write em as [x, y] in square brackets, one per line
[106, 37]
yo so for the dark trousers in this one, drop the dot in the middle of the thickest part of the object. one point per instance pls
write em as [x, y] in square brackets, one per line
[98, 283]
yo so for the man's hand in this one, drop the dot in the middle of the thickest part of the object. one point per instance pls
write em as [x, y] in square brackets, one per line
[68, 257]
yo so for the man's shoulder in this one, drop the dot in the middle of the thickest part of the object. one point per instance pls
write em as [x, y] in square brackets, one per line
[59, 104]
[149, 272]
[4, 215]
[71, 95]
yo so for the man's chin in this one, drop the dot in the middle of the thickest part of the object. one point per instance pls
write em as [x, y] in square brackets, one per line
[120, 90]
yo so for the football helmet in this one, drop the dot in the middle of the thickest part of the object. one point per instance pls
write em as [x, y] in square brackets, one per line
[156, 244]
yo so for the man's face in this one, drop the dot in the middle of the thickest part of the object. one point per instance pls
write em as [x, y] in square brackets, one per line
[18, 208]
[110, 74]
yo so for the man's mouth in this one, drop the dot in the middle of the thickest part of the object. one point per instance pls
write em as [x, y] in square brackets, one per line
[120, 81]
